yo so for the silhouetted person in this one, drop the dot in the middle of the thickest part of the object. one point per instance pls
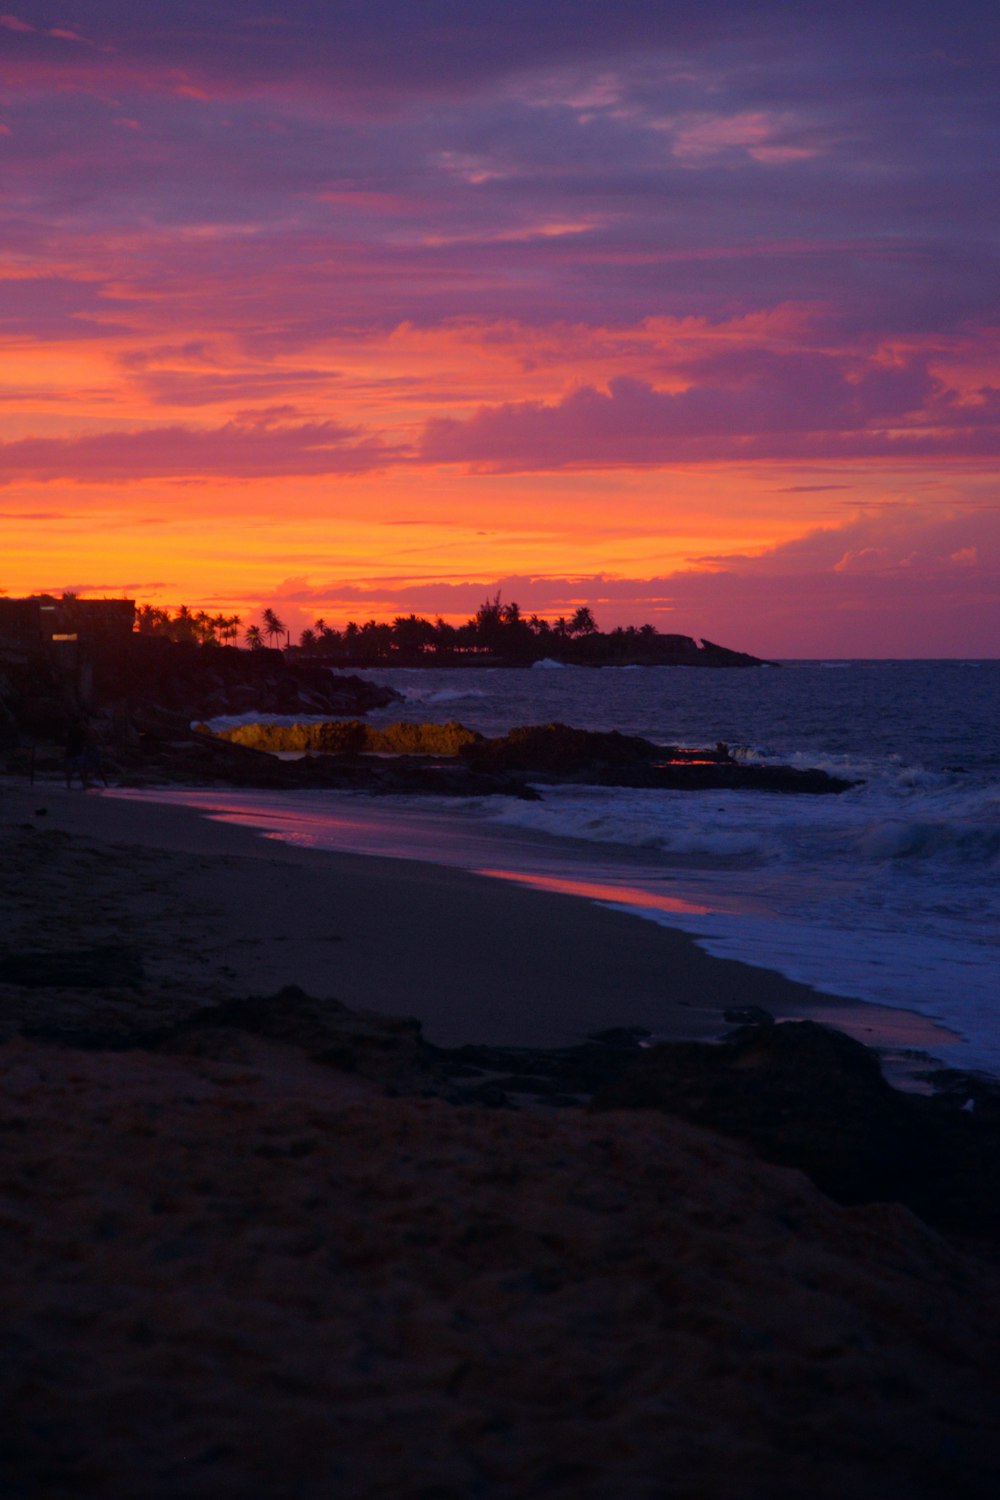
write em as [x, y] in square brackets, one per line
[76, 749]
[83, 754]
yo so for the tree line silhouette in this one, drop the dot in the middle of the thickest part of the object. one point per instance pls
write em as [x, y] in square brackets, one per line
[497, 630]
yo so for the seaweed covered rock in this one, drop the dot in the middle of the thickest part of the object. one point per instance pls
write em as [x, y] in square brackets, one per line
[405, 738]
[351, 737]
[332, 737]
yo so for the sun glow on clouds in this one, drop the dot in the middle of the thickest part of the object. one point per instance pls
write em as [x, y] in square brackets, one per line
[608, 313]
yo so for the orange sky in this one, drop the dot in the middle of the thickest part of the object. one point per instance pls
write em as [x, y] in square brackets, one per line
[595, 320]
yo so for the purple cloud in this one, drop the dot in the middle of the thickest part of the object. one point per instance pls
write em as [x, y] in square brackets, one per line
[236, 450]
[720, 160]
[770, 406]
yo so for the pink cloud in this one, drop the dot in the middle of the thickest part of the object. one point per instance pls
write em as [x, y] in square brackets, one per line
[766, 138]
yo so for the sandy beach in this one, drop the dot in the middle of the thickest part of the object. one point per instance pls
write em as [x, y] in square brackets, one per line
[231, 1268]
[478, 960]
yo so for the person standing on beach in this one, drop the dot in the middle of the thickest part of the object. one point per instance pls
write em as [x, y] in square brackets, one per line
[83, 754]
[93, 759]
[76, 744]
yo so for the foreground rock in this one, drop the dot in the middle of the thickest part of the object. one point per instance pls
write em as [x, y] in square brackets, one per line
[257, 1276]
[801, 1094]
[806, 1096]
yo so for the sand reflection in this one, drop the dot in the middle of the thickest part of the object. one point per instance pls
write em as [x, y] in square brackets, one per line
[595, 890]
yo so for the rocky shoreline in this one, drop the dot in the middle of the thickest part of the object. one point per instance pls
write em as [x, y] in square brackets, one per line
[144, 703]
[446, 760]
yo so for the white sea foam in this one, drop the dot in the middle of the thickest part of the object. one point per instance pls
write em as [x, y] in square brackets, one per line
[434, 696]
[890, 898]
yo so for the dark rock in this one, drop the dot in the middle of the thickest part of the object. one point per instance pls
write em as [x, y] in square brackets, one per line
[800, 1094]
[558, 753]
[620, 1036]
[78, 968]
[747, 1015]
[809, 1097]
[558, 748]
[960, 1090]
[202, 681]
[144, 681]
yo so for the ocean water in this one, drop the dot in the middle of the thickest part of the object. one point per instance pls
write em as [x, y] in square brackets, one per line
[888, 892]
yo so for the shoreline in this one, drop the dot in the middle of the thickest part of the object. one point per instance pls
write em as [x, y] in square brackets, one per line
[477, 959]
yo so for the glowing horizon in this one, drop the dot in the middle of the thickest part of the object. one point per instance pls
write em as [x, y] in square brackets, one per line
[685, 317]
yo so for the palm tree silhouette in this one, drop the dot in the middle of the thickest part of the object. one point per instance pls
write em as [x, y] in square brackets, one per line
[272, 625]
[253, 637]
[582, 623]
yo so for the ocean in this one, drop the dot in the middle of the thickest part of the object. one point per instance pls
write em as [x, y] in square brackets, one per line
[887, 892]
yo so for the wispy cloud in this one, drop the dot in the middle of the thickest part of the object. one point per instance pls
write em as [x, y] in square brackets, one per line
[235, 450]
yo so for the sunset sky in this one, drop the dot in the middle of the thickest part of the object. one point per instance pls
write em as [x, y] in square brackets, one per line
[686, 311]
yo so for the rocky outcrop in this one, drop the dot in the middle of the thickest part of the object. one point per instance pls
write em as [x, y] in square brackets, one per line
[559, 749]
[201, 682]
[450, 759]
[168, 752]
[558, 753]
[142, 695]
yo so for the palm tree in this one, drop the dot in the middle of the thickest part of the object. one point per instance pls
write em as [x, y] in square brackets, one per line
[151, 621]
[272, 625]
[183, 626]
[582, 623]
[253, 638]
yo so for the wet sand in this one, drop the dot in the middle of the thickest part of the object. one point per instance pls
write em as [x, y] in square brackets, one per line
[475, 959]
[244, 1272]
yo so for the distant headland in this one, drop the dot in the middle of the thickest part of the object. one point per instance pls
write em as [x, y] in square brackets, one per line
[498, 634]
